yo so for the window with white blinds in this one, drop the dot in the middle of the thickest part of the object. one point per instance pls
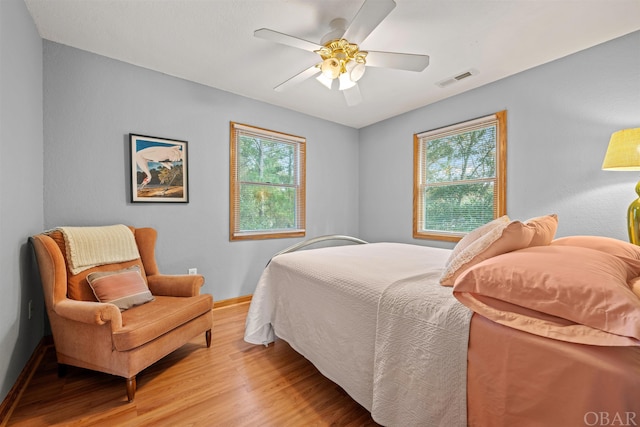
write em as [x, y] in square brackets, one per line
[267, 184]
[459, 177]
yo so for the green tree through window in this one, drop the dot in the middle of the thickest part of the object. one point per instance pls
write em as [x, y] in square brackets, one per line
[459, 177]
[267, 184]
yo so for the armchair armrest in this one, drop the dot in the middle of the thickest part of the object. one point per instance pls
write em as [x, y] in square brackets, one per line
[96, 313]
[175, 285]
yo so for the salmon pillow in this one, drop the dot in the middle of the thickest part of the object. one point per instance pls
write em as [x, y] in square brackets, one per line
[545, 228]
[123, 288]
[568, 293]
[634, 284]
[476, 234]
[495, 238]
[605, 244]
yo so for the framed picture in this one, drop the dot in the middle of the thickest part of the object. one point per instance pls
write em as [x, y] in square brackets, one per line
[159, 170]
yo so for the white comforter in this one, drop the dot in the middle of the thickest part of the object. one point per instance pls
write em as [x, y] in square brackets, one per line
[420, 375]
[373, 319]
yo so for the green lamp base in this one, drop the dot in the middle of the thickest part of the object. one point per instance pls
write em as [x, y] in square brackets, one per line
[633, 218]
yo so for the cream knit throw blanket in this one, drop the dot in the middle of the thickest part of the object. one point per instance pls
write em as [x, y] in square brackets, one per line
[88, 247]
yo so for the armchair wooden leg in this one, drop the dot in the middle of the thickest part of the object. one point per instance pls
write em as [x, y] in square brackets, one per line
[131, 388]
[208, 337]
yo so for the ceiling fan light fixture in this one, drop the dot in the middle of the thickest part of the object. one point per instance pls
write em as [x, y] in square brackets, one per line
[346, 82]
[340, 57]
[355, 70]
[330, 68]
[326, 81]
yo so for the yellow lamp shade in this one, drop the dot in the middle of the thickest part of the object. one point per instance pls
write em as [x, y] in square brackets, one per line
[623, 152]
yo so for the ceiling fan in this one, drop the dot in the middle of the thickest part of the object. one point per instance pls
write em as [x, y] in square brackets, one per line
[341, 59]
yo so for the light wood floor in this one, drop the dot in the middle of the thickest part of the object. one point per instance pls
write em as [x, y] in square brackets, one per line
[230, 384]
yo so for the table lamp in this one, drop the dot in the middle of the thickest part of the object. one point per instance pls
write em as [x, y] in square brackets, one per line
[623, 154]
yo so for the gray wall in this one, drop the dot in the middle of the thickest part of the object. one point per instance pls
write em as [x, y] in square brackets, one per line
[20, 188]
[559, 117]
[91, 103]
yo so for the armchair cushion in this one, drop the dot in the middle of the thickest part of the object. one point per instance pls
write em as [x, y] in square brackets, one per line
[123, 288]
[144, 323]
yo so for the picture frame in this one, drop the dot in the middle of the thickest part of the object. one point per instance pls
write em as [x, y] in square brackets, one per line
[159, 170]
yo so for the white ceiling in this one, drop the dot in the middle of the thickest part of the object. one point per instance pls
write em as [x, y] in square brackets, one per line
[211, 42]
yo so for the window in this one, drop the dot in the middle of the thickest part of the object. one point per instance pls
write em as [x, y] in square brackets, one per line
[267, 184]
[459, 177]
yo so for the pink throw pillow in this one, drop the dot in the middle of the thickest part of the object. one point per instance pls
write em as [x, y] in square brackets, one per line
[474, 235]
[545, 229]
[500, 238]
[123, 288]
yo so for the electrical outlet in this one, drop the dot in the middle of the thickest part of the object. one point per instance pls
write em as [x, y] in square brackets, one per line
[30, 309]
[193, 271]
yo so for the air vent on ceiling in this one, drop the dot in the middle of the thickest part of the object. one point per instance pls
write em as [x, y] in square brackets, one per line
[456, 78]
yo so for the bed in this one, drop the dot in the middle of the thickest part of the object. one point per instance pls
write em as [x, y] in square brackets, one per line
[435, 337]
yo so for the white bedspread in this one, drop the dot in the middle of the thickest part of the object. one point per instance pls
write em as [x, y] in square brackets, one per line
[354, 311]
[420, 375]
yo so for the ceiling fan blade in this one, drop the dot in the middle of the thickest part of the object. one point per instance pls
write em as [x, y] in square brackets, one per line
[298, 78]
[352, 96]
[367, 19]
[399, 61]
[274, 36]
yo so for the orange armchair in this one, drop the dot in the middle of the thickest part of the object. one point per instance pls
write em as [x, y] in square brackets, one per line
[97, 335]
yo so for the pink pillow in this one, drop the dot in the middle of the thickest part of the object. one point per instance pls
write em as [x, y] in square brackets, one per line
[500, 237]
[634, 284]
[567, 293]
[474, 235]
[545, 228]
[600, 243]
[123, 288]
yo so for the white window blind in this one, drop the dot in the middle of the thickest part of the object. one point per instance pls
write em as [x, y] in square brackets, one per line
[267, 183]
[459, 177]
